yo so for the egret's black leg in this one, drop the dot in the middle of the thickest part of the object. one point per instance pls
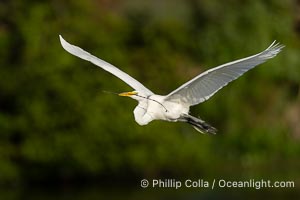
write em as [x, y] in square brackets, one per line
[198, 124]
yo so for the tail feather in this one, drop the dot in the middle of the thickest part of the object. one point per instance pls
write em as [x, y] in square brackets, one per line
[200, 125]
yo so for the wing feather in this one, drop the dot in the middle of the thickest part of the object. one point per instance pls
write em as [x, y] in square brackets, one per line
[76, 51]
[205, 85]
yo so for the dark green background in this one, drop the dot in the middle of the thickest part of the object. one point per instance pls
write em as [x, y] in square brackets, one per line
[57, 127]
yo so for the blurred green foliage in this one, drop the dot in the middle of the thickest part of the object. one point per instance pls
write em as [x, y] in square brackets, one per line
[57, 124]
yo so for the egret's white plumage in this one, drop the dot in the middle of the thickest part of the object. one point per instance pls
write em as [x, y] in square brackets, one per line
[76, 51]
[175, 106]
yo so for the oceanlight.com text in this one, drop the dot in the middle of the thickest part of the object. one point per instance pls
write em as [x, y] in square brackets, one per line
[215, 183]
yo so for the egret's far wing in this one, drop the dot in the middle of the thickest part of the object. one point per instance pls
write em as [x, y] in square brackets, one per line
[205, 85]
[76, 51]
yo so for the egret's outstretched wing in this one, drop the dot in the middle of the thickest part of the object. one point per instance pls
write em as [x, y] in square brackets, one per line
[76, 51]
[205, 85]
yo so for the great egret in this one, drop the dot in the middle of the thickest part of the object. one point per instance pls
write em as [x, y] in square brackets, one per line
[175, 106]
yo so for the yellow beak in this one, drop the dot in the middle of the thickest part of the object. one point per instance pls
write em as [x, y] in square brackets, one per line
[127, 94]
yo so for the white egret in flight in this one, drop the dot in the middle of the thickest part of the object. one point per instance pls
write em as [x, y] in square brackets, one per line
[175, 106]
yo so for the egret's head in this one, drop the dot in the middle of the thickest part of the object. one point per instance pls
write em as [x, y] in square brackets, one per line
[129, 94]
